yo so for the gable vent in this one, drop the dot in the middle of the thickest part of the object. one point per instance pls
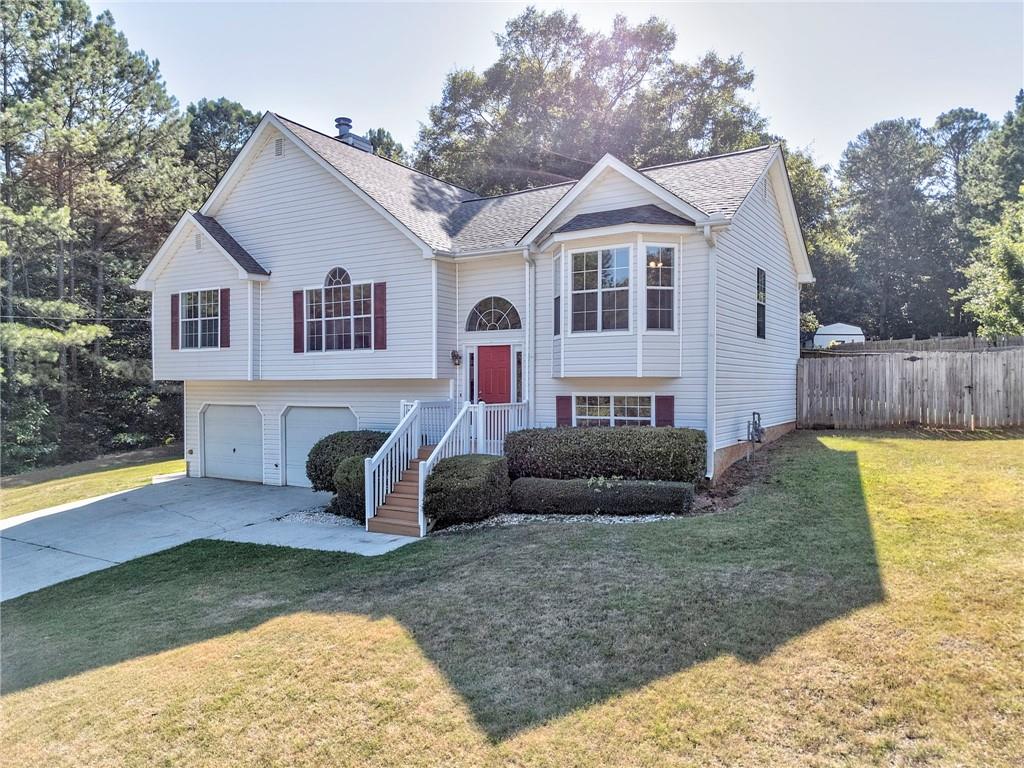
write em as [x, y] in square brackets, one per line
[278, 147]
[199, 242]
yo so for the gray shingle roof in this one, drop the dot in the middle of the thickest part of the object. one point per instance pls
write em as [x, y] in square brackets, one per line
[640, 214]
[229, 244]
[716, 185]
[453, 219]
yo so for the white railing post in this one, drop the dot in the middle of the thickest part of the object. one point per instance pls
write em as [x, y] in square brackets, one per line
[371, 507]
[481, 427]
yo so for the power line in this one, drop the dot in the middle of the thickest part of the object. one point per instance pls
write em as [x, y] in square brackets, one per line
[71, 319]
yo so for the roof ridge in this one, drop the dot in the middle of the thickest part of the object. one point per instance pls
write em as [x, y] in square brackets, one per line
[519, 191]
[374, 154]
[710, 157]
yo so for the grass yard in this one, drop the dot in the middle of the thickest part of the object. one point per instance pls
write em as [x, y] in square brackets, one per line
[861, 605]
[43, 488]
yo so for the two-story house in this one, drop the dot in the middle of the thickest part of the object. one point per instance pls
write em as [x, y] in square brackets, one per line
[320, 286]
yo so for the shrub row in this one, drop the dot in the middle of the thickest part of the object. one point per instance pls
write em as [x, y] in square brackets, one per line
[465, 489]
[634, 453]
[349, 485]
[600, 496]
[330, 451]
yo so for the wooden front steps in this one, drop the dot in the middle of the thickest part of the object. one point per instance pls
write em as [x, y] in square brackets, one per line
[399, 514]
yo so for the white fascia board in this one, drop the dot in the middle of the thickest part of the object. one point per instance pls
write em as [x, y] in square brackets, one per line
[613, 163]
[271, 119]
[146, 280]
[618, 229]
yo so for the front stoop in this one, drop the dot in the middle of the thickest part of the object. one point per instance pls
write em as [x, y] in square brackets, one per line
[399, 514]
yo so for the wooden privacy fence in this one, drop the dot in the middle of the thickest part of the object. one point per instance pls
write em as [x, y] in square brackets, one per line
[935, 344]
[953, 389]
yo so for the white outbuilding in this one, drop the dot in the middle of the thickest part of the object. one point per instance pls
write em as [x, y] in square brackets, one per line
[840, 333]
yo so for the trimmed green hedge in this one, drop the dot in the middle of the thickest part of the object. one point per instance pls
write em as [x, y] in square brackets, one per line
[464, 489]
[632, 453]
[600, 496]
[329, 452]
[349, 485]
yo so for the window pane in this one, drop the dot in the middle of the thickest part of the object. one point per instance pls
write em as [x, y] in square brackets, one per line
[337, 334]
[314, 304]
[659, 266]
[615, 268]
[190, 305]
[593, 411]
[361, 299]
[336, 276]
[659, 309]
[615, 310]
[760, 321]
[556, 319]
[584, 271]
[632, 410]
[334, 302]
[584, 312]
[519, 377]
[209, 303]
[762, 281]
[314, 336]
[361, 333]
[209, 333]
[190, 334]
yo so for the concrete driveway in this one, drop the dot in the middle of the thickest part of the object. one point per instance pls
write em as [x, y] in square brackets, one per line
[43, 548]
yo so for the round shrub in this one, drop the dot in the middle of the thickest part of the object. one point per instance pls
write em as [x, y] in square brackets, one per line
[632, 453]
[327, 454]
[350, 487]
[600, 496]
[464, 489]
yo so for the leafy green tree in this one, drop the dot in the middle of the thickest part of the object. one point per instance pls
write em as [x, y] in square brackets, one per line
[217, 129]
[887, 174]
[559, 97]
[96, 179]
[385, 145]
[995, 279]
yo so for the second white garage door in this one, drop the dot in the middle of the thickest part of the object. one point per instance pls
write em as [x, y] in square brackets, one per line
[233, 442]
[302, 428]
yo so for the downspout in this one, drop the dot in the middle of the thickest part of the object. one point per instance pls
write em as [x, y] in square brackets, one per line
[712, 295]
[528, 372]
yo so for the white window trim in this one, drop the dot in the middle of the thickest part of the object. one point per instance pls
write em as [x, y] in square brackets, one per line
[306, 319]
[567, 266]
[613, 395]
[757, 302]
[676, 290]
[181, 321]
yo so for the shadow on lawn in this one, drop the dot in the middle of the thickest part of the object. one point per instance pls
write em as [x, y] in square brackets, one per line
[527, 623]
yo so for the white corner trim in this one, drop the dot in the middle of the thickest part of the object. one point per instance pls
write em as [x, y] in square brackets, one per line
[433, 317]
[712, 351]
[613, 163]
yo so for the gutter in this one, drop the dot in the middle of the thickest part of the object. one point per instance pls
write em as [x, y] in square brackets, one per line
[712, 340]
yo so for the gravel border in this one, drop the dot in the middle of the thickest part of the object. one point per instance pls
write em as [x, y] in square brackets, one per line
[510, 519]
[318, 516]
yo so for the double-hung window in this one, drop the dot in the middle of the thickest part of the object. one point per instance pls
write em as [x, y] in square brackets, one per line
[200, 319]
[761, 300]
[600, 290]
[339, 315]
[613, 411]
[660, 287]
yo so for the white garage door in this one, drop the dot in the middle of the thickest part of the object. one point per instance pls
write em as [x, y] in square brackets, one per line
[233, 442]
[302, 428]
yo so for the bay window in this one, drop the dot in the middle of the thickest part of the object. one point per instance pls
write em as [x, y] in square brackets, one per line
[600, 290]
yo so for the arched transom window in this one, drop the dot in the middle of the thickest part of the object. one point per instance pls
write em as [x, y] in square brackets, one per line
[340, 314]
[494, 314]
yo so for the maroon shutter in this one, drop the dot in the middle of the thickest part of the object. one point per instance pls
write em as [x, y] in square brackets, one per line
[380, 315]
[175, 318]
[298, 323]
[664, 411]
[563, 410]
[225, 317]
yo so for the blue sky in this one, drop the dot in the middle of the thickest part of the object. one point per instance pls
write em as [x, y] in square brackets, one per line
[825, 71]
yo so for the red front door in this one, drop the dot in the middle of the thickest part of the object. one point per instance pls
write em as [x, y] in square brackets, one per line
[495, 374]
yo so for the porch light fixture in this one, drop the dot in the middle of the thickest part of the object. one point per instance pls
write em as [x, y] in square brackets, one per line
[456, 358]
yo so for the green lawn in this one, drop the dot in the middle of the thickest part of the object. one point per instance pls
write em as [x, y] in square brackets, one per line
[85, 479]
[861, 605]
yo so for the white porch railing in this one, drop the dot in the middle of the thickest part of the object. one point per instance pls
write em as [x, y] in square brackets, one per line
[384, 469]
[479, 428]
[435, 416]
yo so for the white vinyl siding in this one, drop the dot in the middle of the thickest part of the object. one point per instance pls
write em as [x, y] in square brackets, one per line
[609, 191]
[755, 374]
[189, 269]
[374, 404]
[299, 221]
